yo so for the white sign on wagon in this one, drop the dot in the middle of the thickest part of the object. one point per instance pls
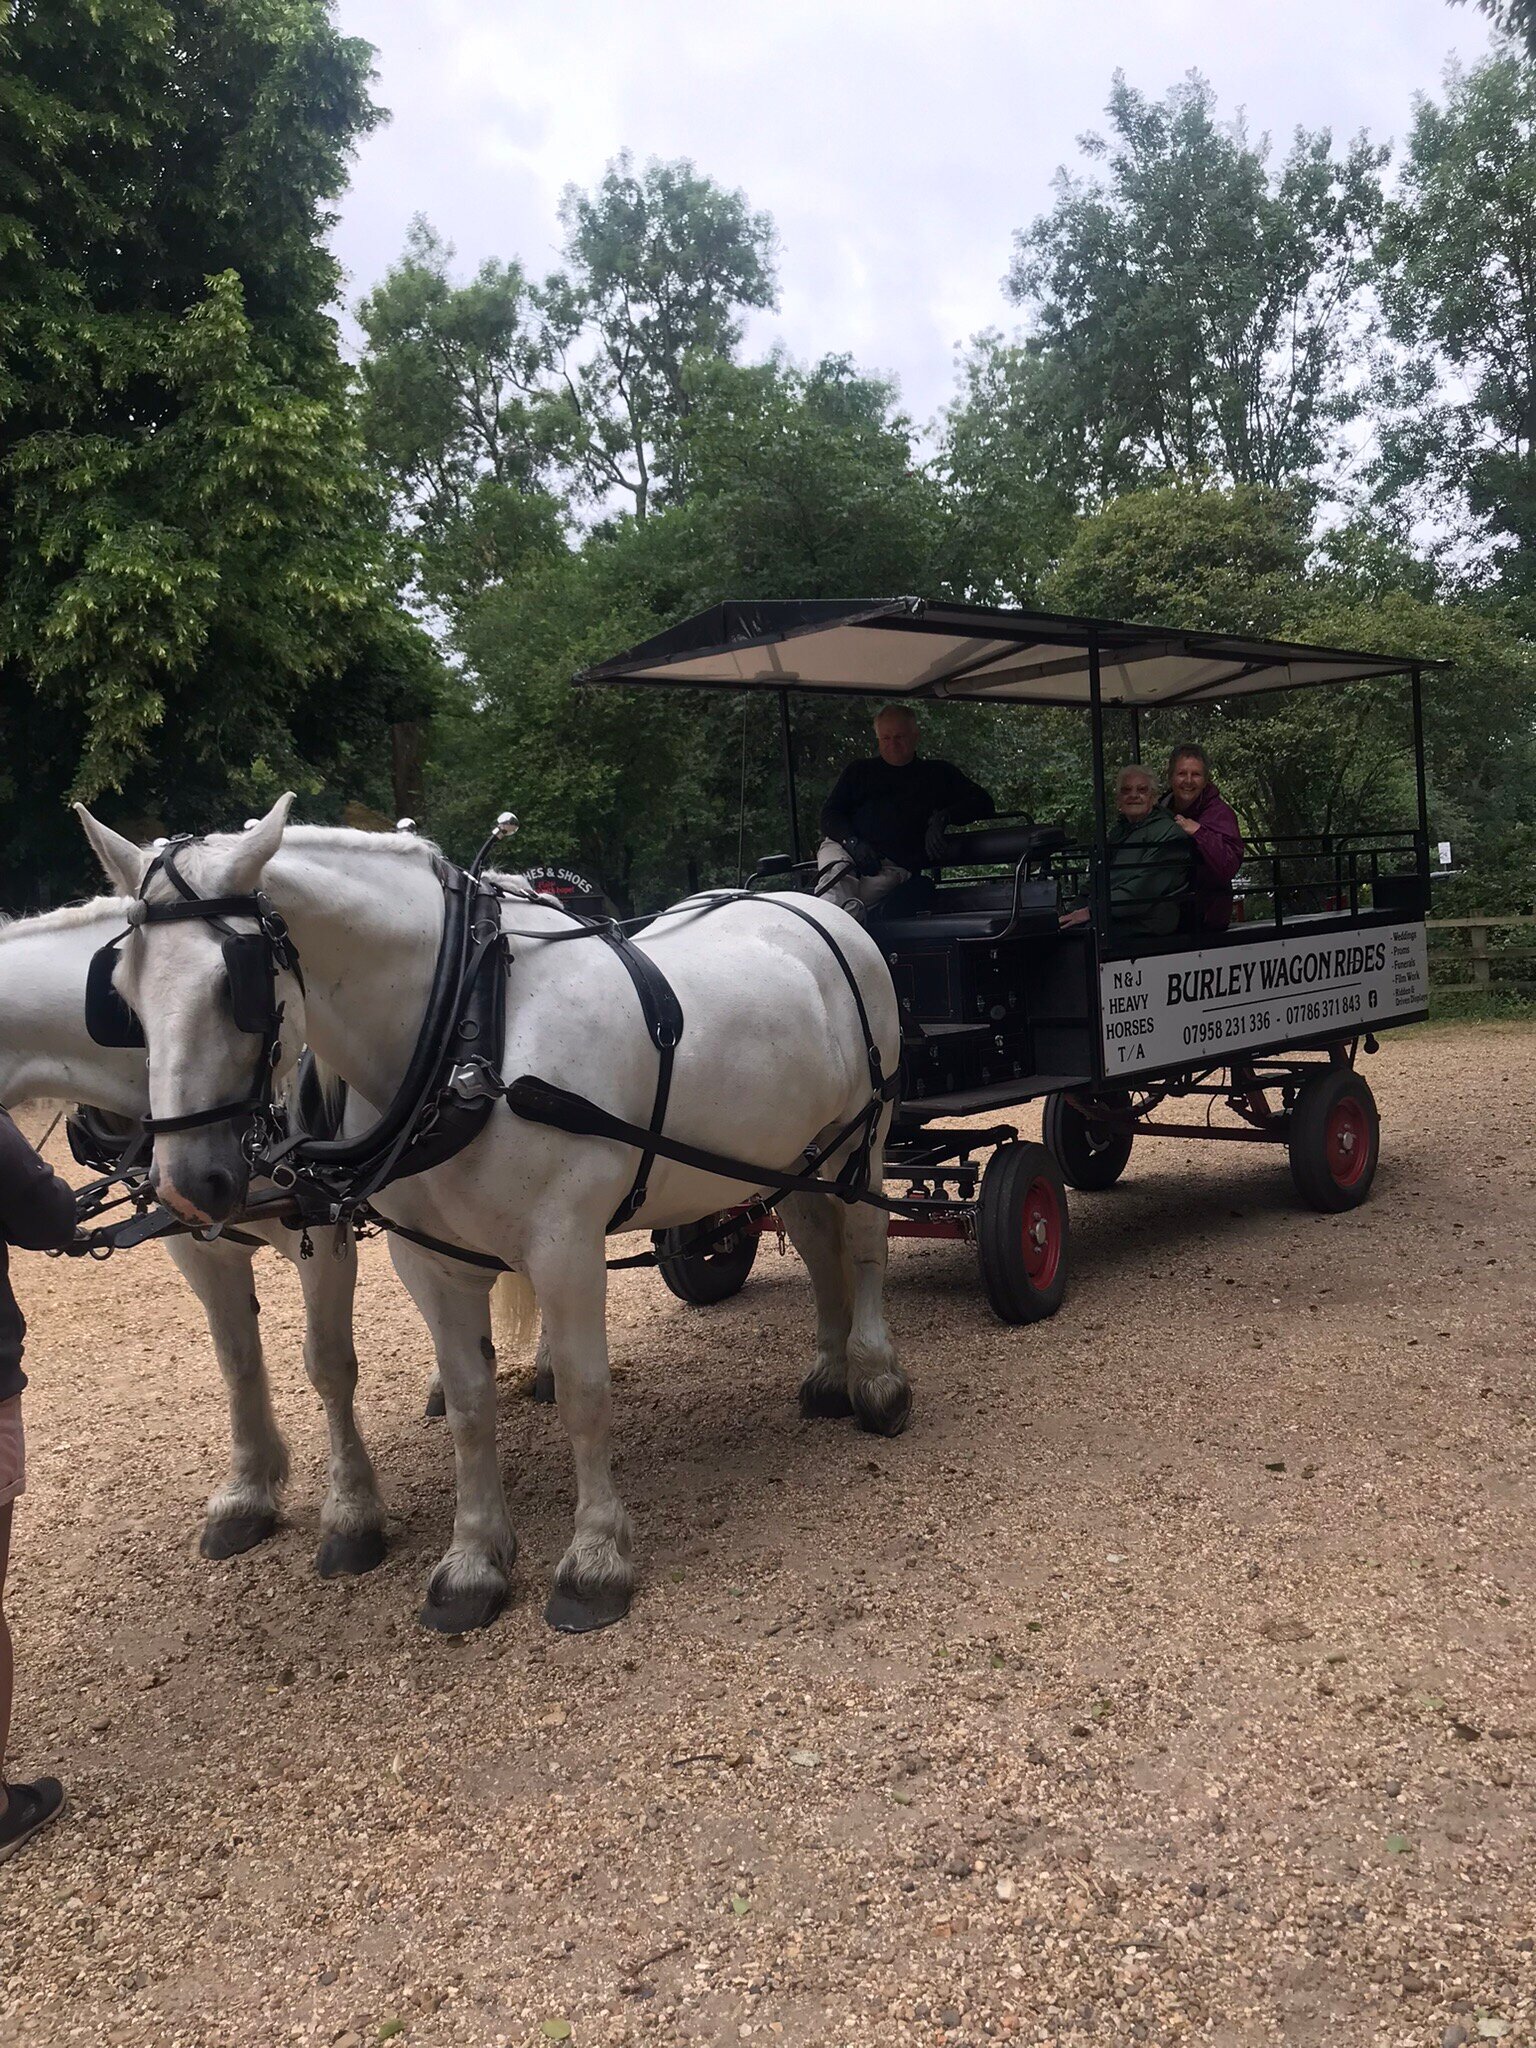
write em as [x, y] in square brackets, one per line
[1175, 1009]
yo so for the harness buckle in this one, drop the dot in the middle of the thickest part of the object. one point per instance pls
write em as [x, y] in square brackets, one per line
[475, 1080]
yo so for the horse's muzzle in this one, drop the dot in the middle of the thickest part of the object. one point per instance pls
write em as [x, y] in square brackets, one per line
[200, 1194]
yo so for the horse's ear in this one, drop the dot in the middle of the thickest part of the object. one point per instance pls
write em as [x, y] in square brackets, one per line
[260, 841]
[122, 862]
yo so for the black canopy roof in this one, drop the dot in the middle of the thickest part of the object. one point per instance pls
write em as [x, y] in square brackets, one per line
[909, 647]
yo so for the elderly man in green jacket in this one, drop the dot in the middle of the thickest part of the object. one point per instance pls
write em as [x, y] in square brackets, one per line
[1149, 862]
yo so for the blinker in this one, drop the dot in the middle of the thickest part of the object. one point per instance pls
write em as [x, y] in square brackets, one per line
[248, 968]
[108, 1018]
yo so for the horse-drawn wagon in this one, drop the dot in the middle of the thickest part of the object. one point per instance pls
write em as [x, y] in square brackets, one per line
[548, 1081]
[1001, 1006]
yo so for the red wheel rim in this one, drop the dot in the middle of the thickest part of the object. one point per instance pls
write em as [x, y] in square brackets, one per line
[1040, 1233]
[1347, 1143]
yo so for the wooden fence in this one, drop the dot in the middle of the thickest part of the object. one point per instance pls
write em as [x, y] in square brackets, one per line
[1465, 958]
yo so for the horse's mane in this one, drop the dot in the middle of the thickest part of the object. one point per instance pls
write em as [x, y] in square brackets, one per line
[346, 838]
[68, 917]
[520, 887]
[341, 838]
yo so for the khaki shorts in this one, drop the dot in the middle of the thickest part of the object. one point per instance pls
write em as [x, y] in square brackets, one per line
[13, 1452]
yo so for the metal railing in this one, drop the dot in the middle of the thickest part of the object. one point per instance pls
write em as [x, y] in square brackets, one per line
[1323, 874]
[1339, 874]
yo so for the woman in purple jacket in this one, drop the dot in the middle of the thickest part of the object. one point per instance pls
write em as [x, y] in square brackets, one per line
[1201, 810]
[37, 1212]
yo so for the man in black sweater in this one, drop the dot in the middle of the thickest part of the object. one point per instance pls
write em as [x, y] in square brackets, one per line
[37, 1212]
[886, 815]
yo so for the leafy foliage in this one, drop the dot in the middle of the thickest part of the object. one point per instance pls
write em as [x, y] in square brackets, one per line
[797, 481]
[1511, 18]
[1340, 759]
[194, 583]
[457, 412]
[1199, 305]
[1458, 280]
[1015, 463]
[207, 521]
[662, 262]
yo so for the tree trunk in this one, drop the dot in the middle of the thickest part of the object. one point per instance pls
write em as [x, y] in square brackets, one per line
[407, 761]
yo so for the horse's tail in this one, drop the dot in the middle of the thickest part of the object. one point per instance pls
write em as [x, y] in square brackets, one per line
[514, 1314]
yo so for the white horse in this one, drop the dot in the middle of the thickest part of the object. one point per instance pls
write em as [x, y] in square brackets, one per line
[771, 1060]
[46, 1053]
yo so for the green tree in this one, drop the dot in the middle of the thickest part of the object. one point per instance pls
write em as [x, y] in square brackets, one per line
[1511, 17]
[1015, 464]
[661, 264]
[1304, 761]
[798, 482]
[805, 482]
[1458, 281]
[1202, 306]
[1235, 561]
[195, 608]
[1218, 561]
[457, 411]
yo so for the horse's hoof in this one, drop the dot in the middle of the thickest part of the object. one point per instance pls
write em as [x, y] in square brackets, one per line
[883, 1406]
[821, 1396]
[577, 1614]
[348, 1553]
[544, 1389]
[233, 1534]
[460, 1614]
[436, 1407]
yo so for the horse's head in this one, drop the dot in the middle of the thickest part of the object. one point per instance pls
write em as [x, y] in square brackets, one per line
[218, 997]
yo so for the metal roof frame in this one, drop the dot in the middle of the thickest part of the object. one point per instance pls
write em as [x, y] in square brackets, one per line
[875, 647]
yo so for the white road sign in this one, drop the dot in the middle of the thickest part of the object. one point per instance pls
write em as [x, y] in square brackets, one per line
[1175, 1009]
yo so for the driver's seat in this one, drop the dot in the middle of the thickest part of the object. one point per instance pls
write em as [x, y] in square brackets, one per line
[991, 845]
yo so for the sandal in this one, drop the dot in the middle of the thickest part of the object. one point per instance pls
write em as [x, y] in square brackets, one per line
[30, 1810]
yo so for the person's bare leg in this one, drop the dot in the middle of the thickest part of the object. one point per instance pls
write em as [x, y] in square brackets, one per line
[24, 1809]
[7, 1663]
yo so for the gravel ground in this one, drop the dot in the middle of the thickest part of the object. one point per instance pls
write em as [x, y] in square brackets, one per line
[1170, 1680]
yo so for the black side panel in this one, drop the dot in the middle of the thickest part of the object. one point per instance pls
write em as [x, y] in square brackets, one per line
[1061, 1005]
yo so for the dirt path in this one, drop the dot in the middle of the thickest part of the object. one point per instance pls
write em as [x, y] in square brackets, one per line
[1171, 1680]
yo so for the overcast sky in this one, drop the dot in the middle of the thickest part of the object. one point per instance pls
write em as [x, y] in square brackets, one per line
[896, 144]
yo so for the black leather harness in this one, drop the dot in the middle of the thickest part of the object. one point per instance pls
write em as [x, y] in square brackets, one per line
[539, 1101]
[452, 1079]
[432, 1115]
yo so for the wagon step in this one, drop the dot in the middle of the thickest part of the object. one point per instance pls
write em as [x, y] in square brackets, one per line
[920, 1109]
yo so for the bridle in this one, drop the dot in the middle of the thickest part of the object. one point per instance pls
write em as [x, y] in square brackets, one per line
[251, 963]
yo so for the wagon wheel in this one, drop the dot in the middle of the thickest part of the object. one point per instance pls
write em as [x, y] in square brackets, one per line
[712, 1274]
[1090, 1154]
[1021, 1233]
[1335, 1139]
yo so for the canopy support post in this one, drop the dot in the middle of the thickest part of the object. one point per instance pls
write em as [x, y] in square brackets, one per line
[1136, 733]
[787, 743]
[1417, 675]
[1100, 818]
